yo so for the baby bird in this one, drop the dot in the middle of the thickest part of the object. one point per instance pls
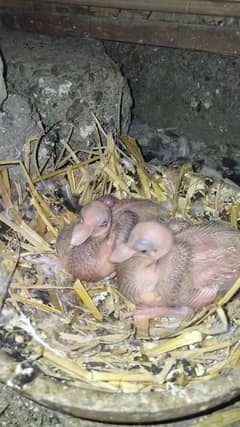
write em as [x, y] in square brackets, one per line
[169, 274]
[84, 246]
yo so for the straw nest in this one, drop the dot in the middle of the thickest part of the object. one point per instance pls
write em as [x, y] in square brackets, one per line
[72, 330]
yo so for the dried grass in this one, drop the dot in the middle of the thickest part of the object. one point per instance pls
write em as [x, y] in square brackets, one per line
[77, 333]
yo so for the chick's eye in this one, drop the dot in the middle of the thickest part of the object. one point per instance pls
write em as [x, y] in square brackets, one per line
[104, 224]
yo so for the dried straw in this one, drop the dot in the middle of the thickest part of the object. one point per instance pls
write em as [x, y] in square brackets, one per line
[84, 339]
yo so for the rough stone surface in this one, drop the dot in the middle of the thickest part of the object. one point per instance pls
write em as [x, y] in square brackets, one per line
[3, 90]
[67, 79]
[18, 122]
[194, 93]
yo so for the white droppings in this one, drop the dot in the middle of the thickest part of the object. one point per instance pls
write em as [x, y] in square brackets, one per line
[100, 297]
[49, 91]
[64, 88]
[46, 90]
[86, 131]
[24, 323]
[41, 82]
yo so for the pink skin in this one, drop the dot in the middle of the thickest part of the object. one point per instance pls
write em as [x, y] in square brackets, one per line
[84, 247]
[96, 221]
[97, 217]
[170, 274]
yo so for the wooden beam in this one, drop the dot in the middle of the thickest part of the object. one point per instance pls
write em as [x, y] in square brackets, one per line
[200, 37]
[199, 7]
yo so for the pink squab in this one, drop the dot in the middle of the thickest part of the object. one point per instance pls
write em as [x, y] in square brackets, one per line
[167, 273]
[84, 246]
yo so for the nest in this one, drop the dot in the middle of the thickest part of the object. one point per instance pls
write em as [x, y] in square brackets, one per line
[73, 332]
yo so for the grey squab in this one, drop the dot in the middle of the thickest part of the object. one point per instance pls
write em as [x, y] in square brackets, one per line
[84, 246]
[167, 273]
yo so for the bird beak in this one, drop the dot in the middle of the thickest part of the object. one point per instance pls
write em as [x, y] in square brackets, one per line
[81, 233]
[122, 253]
